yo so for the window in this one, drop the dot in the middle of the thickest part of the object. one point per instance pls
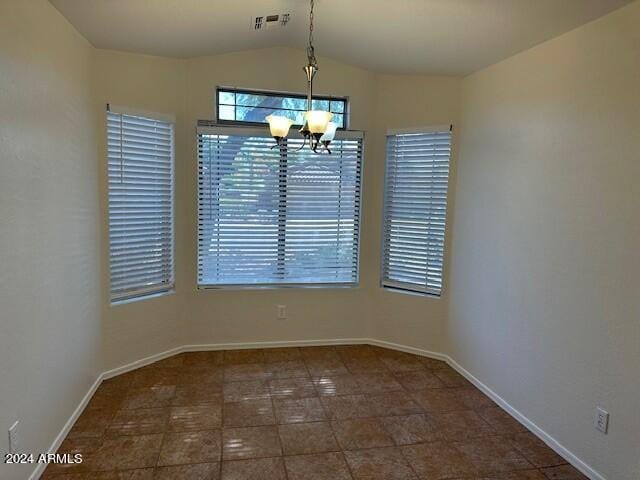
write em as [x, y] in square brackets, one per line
[252, 106]
[416, 178]
[276, 217]
[140, 165]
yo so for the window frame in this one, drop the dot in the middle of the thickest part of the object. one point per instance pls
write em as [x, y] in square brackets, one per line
[152, 292]
[259, 130]
[276, 94]
[405, 287]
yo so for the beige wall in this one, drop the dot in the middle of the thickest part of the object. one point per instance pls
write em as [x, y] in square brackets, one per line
[221, 316]
[186, 88]
[405, 101]
[539, 272]
[49, 243]
[544, 306]
[135, 330]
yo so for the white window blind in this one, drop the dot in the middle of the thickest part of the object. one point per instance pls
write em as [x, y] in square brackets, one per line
[276, 216]
[140, 166]
[416, 181]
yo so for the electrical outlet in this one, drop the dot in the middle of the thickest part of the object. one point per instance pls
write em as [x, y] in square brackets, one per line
[282, 312]
[602, 420]
[14, 440]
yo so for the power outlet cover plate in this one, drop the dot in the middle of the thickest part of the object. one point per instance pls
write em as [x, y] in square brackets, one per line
[602, 420]
[14, 440]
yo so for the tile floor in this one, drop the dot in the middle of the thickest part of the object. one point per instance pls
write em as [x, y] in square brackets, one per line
[317, 413]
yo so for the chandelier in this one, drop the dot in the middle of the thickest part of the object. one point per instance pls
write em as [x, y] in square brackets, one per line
[318, 129]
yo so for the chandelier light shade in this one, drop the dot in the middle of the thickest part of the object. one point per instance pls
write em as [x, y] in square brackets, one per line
[329, 133]
[318, 120]
[279, 126]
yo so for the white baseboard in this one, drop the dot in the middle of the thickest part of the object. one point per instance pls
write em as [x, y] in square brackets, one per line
[532, 427]
[141, 363]
[40, 467]
[535, 429]
[289, 343]
[406, 349]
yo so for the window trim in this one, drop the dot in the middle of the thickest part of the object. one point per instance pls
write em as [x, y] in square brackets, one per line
[400, 287]
[169, 118]
[204, 127]
[280, 94]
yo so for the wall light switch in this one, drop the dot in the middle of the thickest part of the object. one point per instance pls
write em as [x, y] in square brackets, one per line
[282, 312]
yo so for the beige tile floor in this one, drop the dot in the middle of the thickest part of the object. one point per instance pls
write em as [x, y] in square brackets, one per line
[316, 413]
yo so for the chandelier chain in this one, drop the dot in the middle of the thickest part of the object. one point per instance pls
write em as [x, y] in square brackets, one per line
[310, 49]
[318, 131]
[311, 24]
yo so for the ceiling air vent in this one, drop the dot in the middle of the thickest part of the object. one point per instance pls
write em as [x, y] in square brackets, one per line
[267, 22]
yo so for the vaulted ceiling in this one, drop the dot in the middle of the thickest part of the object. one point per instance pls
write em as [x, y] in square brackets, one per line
[404, 36]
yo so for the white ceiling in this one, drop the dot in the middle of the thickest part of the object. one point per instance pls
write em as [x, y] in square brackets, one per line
[405, 36]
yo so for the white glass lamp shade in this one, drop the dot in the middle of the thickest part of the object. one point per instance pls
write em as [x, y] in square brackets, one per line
[279, 126]
[317, 120]
[329, 133]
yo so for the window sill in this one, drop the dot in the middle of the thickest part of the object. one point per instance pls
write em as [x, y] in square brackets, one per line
[140, 298]
[411, 292]
[278, 287]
